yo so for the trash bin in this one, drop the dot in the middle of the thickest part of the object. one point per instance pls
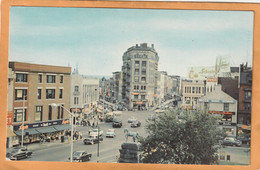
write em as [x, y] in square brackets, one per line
[62, 139]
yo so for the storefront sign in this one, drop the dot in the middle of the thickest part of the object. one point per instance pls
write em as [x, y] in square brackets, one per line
[222, 113]
[139, 102]
[43, 124]
[9, 119]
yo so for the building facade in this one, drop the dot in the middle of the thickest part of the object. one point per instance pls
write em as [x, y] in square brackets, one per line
[84, 93]
[192, 90]
[245, 95]
[219, 103]
[139, 76]
[34, 89]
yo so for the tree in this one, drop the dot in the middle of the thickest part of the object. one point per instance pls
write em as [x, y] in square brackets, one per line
[181, 138]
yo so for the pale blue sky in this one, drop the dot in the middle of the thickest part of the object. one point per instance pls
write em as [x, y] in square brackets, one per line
[96, 39]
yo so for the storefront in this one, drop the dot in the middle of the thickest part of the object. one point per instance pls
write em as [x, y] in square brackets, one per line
[49, 130]
[230, 128]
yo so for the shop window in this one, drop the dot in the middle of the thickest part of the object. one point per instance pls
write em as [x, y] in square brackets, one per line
[62, 111]
[143, 63]
[38, 113]
[18, 115]
[51, 78]
[135, 96]
[61, 78]
[39, 78]
[60, 93]
[20, 94]
[21, 78]
[39, 94]
[227, 118]
[226, 107]
[50, 113]
[248, 95]
[50, 93]
[76, 88]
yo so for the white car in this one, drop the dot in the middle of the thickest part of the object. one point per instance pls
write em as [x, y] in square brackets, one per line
[95, 132]
[110, 133]
[131, 119]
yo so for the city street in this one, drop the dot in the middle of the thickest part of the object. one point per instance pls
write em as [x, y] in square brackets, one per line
[109, 148]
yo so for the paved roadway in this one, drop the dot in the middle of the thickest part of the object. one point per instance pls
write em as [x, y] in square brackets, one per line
[109, 148]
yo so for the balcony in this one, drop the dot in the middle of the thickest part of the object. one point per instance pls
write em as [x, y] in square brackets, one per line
[76, 93]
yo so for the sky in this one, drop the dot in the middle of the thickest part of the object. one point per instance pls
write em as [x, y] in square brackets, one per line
[95, 38]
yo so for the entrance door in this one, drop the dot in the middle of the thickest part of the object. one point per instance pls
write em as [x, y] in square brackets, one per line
[139, 107]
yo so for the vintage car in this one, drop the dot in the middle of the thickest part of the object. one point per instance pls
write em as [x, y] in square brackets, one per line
[110, 133]
[229, 141]
[81, 156]
[96, 132]
[18, 153]
[117, 122]
[136, 123]
[92, 139]
[131, 119]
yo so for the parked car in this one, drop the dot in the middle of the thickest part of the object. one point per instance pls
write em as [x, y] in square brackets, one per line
[81, 156]
[117, 122]
[92, 139]
[244, 140]
[96, 132]
[110, 133]
[229, 141]
[131, 119]
[136, 123]
[18, 153]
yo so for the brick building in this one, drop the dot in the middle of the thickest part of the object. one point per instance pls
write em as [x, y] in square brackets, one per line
[34, 89]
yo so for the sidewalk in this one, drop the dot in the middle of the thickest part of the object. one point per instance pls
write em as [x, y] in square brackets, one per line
[38, 146]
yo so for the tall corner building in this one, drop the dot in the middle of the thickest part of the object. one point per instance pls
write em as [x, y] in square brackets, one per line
[139, 74]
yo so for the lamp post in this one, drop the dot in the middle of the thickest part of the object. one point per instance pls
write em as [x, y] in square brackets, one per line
[54, 105]
[23, 119]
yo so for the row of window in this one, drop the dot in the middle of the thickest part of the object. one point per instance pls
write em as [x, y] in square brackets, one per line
[18, 113]
[137, 63]
[21, 94]
[143, 79]
[23, 78]
[137, 96]
[193, 90]
[136, 87]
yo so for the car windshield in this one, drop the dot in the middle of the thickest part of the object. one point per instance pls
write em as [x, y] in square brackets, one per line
[110, 130]
[77, 153]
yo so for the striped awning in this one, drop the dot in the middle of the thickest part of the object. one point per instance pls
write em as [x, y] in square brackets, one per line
[29, 131]
[46, 130]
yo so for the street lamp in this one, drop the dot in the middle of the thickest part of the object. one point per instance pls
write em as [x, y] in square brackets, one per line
[23, 118]
[54, 105]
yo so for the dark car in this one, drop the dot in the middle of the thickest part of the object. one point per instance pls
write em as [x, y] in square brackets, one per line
[117, 123]
[136, 123]
[229, 141]
[244, 140]
[18, 153]
[92, 140]
[81, 156]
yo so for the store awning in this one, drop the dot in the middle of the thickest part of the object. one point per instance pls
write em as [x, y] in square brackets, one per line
[29, 131]
[10, 133]
[46, 130]
[62, 127]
